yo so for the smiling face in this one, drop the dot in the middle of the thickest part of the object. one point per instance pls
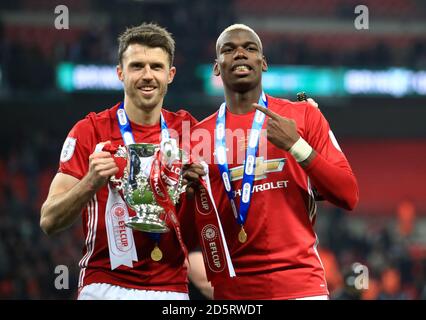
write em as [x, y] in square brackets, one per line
[145, 73]
[240, 60]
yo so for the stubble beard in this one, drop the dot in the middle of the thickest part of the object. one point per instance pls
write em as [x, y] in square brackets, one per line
[146, 104]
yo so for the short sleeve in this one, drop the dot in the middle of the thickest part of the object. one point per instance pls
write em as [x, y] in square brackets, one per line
[78, 145]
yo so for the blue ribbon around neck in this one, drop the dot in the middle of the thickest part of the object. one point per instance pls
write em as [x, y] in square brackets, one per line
[249, 163]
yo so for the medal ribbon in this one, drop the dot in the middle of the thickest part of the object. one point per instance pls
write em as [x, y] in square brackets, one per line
[250, 160]
[217, 259]
[160, 191]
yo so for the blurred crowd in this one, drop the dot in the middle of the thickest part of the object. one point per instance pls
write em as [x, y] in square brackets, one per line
[370, 257]
[28, 257]
[29, 54]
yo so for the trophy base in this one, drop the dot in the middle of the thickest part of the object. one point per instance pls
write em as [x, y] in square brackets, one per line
[146, 224]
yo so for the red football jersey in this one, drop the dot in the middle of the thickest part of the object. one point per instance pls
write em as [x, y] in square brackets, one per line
[279, 260]
[169, 274]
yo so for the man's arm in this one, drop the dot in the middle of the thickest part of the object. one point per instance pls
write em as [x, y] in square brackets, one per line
[68, 195]
[197, 274]
[336, 184]
[334, 181]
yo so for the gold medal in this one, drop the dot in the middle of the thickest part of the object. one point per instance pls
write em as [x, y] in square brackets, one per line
[242, 235]
[156, 254]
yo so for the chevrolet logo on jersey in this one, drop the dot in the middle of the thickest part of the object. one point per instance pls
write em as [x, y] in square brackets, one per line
[263, 167]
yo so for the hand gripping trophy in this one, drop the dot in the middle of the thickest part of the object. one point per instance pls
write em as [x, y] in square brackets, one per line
[151, 182]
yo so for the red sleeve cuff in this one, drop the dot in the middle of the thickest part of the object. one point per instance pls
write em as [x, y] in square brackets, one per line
[71, 173]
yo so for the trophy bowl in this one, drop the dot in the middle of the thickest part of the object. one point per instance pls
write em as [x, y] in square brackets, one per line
[136, 188]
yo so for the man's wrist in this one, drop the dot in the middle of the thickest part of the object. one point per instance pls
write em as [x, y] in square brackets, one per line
[301, 150]
[89, 184]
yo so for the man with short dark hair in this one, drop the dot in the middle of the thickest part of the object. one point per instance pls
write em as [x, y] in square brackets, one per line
[262, 182]
[119, 263]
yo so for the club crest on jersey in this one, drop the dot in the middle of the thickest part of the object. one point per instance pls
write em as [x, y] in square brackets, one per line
[68, 149]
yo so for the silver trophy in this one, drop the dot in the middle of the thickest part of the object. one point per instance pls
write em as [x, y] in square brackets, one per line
[135, 183]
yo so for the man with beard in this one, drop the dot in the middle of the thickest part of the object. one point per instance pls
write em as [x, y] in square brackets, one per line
[117, 262]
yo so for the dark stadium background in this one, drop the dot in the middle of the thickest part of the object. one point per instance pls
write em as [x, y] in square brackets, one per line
[382, 131]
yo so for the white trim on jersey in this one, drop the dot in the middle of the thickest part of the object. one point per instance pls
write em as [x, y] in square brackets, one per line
[312, 204]
[319, 258]
[88, 236]
[81, 277]
[87, 243]
[90, 219]
[312, 212]
[92, 223]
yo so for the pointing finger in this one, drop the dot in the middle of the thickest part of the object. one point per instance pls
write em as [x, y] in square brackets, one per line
[266, 111]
